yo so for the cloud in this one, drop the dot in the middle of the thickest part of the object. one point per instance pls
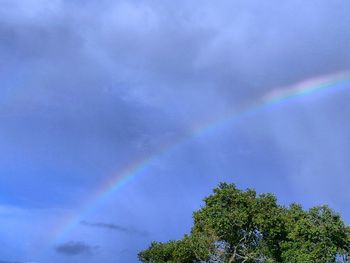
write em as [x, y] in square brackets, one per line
[75, 248]
[115, 227]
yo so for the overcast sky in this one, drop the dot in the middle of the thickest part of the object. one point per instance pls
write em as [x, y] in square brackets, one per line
[88, 87]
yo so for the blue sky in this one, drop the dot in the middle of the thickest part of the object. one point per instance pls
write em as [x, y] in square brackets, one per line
[87, 87]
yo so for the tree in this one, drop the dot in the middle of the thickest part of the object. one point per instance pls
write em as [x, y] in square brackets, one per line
[241, 226]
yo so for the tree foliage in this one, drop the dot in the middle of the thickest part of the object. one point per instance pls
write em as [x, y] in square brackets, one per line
[241, 226]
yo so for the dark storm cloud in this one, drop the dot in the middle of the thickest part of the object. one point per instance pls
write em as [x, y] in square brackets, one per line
[158, 55]
[241, 52]
[76, 248]
[115, 227]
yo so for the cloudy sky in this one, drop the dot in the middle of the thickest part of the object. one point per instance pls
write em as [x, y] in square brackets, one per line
[88, 87]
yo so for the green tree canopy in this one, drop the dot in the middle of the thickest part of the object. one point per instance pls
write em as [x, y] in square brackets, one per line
[241, 226]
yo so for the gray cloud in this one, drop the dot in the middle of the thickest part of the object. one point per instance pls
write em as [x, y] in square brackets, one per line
[75, 248]
[115, 227]
[189, 57]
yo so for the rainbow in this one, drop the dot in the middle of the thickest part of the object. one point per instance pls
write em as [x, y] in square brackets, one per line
[280, 96]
